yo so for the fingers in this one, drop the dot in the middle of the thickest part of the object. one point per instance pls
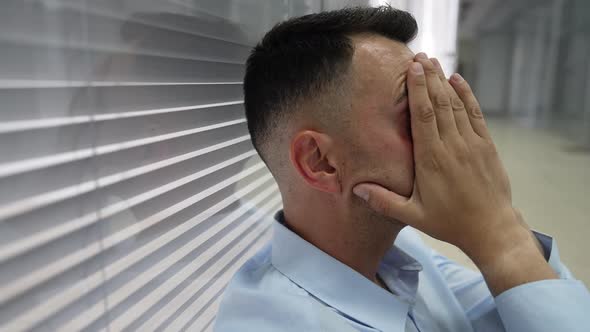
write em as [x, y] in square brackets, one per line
[387, 203]
[461, 118]
[439, 98]
[472, 108]
[424, 130]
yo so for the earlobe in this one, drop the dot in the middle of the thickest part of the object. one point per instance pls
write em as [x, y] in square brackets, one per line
[311, 155]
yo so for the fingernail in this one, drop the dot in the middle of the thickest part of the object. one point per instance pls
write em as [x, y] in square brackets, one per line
[417, 68]
[422, 56]
[457, 78]
[361, 192]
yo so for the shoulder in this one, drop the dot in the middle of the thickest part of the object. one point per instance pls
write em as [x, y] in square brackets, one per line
[260, 298]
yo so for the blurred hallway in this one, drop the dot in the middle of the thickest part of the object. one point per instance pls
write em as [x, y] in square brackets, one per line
[529, 59]
[527, 62]
[550, 181]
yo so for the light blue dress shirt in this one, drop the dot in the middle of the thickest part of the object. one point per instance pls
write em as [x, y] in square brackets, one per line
[291, 285]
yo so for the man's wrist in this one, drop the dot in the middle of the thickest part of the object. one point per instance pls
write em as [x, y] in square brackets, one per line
[487, 249]
[509, 258]
[494, 235]
[512, 234]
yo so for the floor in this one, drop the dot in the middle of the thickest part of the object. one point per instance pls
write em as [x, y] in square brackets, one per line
[550, 180]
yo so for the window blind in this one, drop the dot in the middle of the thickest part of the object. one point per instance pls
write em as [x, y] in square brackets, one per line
[129, 189]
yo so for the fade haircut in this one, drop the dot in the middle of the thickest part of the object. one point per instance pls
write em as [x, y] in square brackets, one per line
[299, 61]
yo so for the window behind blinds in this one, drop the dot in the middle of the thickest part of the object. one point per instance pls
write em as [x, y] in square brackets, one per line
[129, 189]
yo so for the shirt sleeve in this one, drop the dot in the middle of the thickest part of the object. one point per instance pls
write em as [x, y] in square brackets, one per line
[548, 305]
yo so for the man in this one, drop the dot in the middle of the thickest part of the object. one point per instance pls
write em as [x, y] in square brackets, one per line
[364, 138]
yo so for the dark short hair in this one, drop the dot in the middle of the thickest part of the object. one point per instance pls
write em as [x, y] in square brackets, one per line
[299, 58]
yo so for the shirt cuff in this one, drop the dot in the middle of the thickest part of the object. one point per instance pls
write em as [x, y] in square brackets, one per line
[547, 305]
[551, 253]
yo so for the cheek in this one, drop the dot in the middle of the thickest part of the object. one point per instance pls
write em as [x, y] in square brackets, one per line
[386, 145]
[399, 151]
[399, 140]
[404, 127]
[406, 146]
[383, 153]
[397, 169]
[388, 156]
[396, 160]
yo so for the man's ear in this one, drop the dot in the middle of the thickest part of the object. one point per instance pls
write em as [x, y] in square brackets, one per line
[312, 154]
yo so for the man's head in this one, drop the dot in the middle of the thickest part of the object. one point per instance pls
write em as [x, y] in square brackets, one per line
[326, 106]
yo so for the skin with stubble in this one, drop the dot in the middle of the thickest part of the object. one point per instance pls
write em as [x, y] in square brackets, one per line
[443, 177]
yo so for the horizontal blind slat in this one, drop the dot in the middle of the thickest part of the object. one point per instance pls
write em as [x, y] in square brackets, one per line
[117, 134]
[91, 282]
[180, 300]
[24, 125]
[206, 321]
[22, 62]
[36, 43]
[66, 102]
[111, 9]
[20, 285]
[211, 324]
[16, 167]
[139, 280]
[18, 248]
[55, 83]
[218, 286]
[129, 189]
[132, 165]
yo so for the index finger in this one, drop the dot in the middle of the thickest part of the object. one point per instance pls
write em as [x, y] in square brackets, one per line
[423, 119]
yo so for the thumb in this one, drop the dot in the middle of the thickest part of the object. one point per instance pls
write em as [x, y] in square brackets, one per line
[385, 202]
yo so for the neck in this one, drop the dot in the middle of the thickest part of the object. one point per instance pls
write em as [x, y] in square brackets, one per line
[357, 240]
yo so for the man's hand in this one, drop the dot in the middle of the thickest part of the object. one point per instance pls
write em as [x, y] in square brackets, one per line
[461, 192]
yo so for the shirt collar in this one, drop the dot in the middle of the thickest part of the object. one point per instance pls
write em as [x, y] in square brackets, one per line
[341, 287]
